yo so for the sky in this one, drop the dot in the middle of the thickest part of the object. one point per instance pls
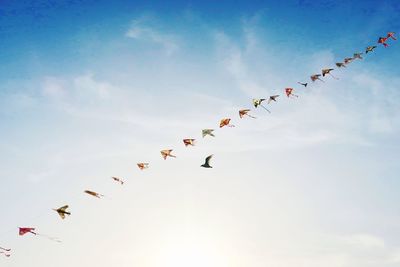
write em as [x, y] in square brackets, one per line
[90, 88]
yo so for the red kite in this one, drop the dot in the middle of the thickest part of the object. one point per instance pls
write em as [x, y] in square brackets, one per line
[382, 40]
[316, 77]
[225, 122]
[25, 230]
[143, 165]
[167, 153]
[189, 142]
[391, 35]
[289, 92]
[244, 112]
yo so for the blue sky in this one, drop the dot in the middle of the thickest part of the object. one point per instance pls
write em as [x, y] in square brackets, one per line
[89, 88]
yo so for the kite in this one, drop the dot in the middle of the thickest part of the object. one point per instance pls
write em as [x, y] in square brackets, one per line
[289, 92]
[119, 180]
[244, 112]
[225, 122]
[93, 193]
[5, 249]
[316, 77]
[207, 162]
[328, 71]
[205, 132]
[340, 65]
[189, 141]
[257, 102]
[369, 49]
[5, 254]
[382, 40]
[304, 84]
[391, 35]
[357, 55]
[272, 98]
[25, 230]
[347, 60]
[167, 153]
[62, 211]
[143, 165]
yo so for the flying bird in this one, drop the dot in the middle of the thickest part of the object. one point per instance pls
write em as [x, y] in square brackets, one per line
[189, 142]
[167, 153]
[62, 211]
[272, 98]
[206, 132]
[357, 55]
[328, 71]
[245, 112]
[316, 77]
[225, 122]
[207, 162]
[382, 40]
[340, 65]
[92, 193]
[304, 84]
[143, 165]
[257, 102]
[117, 179]
[369, 49]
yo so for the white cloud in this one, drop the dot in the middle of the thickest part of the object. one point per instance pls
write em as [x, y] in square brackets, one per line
[140, 30]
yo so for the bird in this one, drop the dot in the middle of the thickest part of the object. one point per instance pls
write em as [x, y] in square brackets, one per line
[62, 211]
[207, 162]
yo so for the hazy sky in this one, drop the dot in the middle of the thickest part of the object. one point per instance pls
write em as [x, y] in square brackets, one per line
[90, 88]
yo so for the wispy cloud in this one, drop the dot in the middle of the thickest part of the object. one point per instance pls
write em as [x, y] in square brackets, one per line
[142, 31]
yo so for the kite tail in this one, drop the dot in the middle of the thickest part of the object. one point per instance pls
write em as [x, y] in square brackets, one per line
[385, 44]
[334, 77]
[322, 80]
[55, 239]
[251, 116]
[265, 108]
[294, 95]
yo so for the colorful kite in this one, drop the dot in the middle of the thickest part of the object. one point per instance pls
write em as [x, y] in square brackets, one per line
[357, 55]
[340, 65]
[257, 102]
[382, 40]
[316, 77]
[207, 162]
[328, 71]
[143, 165]
[62, 211]
[117, 179]
[369, 49]
[92, 193]
[347, 60]
[167, 153]
[25, 230]
[272, 98]
[304, 84]
[244, 112]
[206, 132]
[189, 141]
[289, 92]
[391, 35]
[225, 122]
